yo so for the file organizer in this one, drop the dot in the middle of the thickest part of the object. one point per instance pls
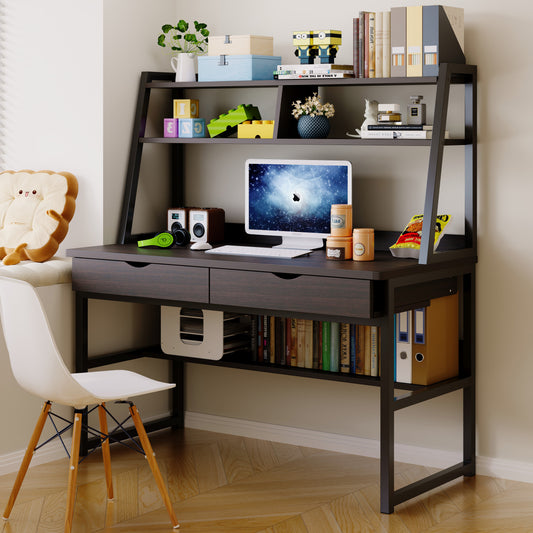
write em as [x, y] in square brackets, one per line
[202, 334]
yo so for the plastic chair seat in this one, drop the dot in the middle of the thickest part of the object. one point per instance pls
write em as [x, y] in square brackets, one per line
[116, 385]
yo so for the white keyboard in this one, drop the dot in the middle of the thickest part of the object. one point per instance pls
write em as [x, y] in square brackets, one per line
[230, 249]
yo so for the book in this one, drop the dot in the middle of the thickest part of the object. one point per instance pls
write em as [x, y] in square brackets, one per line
[398, 18]
[300, 342]
[313, 76]
[379, 44]
[361, 44]
[367, 351]
[400, 126]
[318, 67]
[344, 361]
[291, 341]
[367, 43]
[360, 350]
[374, 351]
[386, 44]
[326, 345]
[353, 345]
[442, 37]
[399, 134]
[371, 45]
[317, 344]
[335, 347]
[356, 47]
[308, 343]
[413, 41]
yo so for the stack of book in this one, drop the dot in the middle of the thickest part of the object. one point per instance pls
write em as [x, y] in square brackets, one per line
[407, 41]
[328, 346]
[399, 131]
[320, 70]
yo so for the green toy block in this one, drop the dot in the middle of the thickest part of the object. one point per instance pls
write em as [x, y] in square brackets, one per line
[226, 124]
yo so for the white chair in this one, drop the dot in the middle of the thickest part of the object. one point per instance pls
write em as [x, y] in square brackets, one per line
[39, 369]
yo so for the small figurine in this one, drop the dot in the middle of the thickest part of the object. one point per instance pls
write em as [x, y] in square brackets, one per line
[303, 40]
[371, 117]
[327, 44]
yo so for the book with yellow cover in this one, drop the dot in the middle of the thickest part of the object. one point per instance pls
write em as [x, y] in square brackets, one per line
[414, 41]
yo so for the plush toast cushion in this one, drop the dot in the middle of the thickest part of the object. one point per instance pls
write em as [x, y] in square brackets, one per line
[35, 211]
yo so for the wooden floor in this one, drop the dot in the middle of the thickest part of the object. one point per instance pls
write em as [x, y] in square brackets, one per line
[222, 483]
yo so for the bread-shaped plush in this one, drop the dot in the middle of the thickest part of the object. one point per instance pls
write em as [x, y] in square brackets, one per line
[35, 211]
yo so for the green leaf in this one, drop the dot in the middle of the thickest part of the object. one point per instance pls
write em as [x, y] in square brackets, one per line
[176, 48]
[199, 25]
[161, 40]
[167, 27]
[190, 38]
[176, 37]
[204, 32]
[182, 26]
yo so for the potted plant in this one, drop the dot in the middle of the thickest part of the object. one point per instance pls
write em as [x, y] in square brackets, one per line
[313, 117]
[185, 42]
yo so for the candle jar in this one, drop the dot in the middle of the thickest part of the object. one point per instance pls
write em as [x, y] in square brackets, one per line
[341, 220]
[363, 244]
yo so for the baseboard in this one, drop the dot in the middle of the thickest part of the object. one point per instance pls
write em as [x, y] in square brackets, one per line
[10, 462]
[488, 466]
[500, 468]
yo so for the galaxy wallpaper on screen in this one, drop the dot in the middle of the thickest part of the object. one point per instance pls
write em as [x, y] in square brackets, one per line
[296, 198]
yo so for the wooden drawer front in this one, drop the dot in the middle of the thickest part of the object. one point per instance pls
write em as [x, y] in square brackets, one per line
[301, 294]
[167, 282]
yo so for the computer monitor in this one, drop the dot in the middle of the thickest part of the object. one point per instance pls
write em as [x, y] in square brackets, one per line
[293, 198]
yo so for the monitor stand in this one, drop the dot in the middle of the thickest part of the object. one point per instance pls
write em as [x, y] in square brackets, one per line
[301, 243]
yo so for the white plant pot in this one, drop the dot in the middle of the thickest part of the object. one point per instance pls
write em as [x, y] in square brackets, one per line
[184, 65]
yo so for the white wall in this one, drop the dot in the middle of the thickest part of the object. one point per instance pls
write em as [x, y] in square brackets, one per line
[495, 40]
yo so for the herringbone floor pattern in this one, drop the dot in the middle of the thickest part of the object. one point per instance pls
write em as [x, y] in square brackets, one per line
[223, 483]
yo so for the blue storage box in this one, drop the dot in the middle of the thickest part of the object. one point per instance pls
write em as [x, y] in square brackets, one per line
[238, 67]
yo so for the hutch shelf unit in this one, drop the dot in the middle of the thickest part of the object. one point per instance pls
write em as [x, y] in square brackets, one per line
[309, 287]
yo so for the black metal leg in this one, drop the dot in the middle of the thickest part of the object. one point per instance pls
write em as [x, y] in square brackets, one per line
[387, 414]
[82, 357]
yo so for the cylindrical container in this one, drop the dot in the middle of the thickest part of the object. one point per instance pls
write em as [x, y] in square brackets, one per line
[341, 220]
[339, 248]
[363, 244]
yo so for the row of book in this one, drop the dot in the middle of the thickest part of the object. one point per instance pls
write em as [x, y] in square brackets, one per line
[407, 41]
[320, 345]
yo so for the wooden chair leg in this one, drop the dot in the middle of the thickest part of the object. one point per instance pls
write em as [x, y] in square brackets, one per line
[150, 456]
[73, 469]
[106, 453]
[27, 458]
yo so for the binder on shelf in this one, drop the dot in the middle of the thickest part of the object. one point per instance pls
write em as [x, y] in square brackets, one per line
[436, 341]
[442, 37]
[398, 17]
[404, 350]
[413, 41]
[386, 44]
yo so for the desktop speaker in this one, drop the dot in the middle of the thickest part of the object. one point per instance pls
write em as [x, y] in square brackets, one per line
[206, 224]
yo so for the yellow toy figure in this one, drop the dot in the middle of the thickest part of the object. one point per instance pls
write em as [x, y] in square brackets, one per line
[303, 40]
[326, 43]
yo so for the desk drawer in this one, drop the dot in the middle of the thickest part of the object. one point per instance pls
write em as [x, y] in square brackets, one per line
[144, 280]
[299, 294]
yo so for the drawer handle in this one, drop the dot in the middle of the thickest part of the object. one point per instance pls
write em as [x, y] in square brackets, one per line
[286, 276]
[137, 264]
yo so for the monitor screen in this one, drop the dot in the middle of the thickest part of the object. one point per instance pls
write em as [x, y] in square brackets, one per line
[293, 198]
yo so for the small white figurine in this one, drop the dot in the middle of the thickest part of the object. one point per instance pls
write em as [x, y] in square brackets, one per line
[371, 116]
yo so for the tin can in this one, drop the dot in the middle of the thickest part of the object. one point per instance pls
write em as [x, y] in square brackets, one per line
[363, 244]
[339, 248]
[341, 220]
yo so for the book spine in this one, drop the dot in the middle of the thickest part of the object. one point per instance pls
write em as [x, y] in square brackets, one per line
[367, 350]
[374, 351]
[253, 337]
[396, 134]
[326, 345]
[356, 47]
[266, 338]
[353, 347]
[274, 356]
[294, 342]
[361, 44]
[360, 350]
[371, 45]
[308, 344]
[335, 347]
[344, 363]
[300, 336]
[386, 44]
[379, 44]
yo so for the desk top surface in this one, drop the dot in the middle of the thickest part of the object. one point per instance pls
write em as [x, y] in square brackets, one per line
[383, 267]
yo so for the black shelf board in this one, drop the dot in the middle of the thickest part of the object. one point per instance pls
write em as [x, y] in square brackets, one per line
[287, 141]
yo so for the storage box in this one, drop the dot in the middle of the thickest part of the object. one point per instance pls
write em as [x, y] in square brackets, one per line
[237, 67]
[240, 44]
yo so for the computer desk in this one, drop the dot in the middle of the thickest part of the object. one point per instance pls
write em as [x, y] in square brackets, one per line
[309, 287]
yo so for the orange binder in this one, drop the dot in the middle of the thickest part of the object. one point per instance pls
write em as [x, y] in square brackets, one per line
[435, 341]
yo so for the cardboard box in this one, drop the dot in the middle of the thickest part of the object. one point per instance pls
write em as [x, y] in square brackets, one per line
[240, 45]
[237, 67]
